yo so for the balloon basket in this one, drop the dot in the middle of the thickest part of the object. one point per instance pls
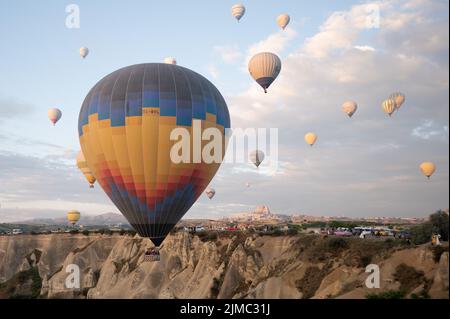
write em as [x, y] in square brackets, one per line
[152, 255]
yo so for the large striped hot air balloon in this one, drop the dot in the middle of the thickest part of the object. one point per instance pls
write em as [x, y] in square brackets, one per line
[264, 68]
[124, 127]
[84, 168]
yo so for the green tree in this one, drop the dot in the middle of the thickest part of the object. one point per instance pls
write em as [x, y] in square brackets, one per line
[437, 223]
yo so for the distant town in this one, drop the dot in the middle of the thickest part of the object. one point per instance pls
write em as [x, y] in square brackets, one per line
[260, 220]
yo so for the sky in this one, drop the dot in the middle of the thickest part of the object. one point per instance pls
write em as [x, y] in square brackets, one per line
[331, 52]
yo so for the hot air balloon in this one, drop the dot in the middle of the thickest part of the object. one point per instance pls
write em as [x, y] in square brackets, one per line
[54, 115]
[170, 60]
[428, 168]
[125, 126]
[399, 99]
[283, 20]
[247, 184]
[310, 138]
[238, 11]
[73, 216]
[349, 108]
[388, 106]
[256, 157]
[84, 168]
[84, 52]
[264, 68]
[210, 192]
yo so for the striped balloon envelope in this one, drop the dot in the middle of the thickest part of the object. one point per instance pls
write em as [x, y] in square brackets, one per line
[125, 126]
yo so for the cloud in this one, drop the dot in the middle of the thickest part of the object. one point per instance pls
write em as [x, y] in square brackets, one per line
[275, 43]
[230, 54]
[430, 130]
[45, 187]
[366, 48]
[213, 71]
[366, 165]
[12, 108]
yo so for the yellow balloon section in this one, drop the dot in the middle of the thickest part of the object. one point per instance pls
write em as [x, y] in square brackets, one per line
[84, 168]
[73, 216]
[125, 125]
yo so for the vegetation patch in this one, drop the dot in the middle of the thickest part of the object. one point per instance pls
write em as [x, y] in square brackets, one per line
[23, 285]
[390, 294]
[409, 278]
[311, 281]
[437, 252]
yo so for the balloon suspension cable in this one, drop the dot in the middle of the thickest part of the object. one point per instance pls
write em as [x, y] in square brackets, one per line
[265, 90]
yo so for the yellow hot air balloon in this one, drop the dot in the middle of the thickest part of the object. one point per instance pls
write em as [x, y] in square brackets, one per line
[388, 106]
[310, 138]
[84, 168]
[73, 216]
[428, 168]
[399, 99]
[126, 127]
[264, 68]
[283, 20]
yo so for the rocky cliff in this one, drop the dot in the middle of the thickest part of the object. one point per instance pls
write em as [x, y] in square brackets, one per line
[224, 266]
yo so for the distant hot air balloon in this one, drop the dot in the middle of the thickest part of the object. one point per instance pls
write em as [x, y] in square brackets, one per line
[125, 127]
[210, 192]
[73, 216]
[428, 168]
[349, 108]
[54, 115]
[238, 11]
[247, 184]
[310, 138]
[264, 68]
[84, 52]
[388, 106]
[84, 168]
[170, 60]
[399, 99]
[256, 157]
[283, 20]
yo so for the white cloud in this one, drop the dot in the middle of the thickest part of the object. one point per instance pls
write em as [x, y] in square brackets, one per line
[366, 48]
[352, 163]
[228, 53]
[213, 71]
[430, 130]
[275, 43]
